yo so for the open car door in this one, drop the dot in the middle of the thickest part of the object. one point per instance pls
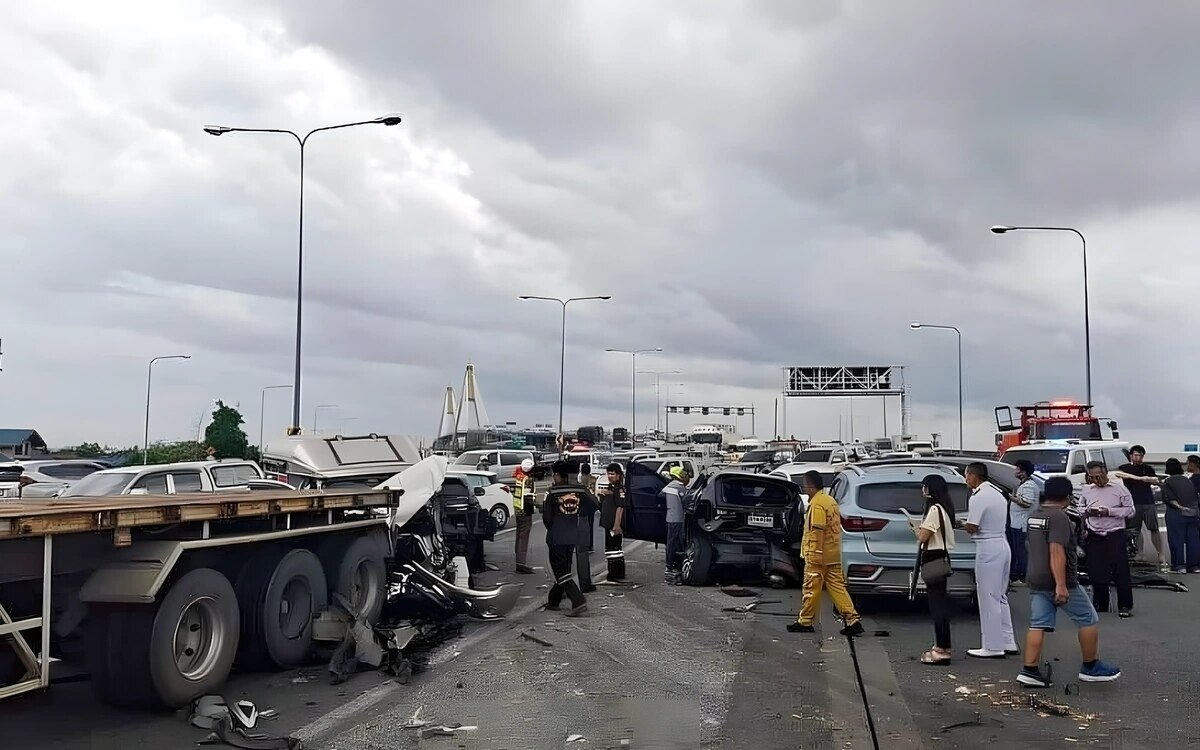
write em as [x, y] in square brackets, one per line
[645, 507]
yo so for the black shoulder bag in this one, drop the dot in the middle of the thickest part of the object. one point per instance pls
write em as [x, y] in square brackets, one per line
[936, 570]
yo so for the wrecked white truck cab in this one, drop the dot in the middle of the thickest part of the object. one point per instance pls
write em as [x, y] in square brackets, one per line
[162, 595]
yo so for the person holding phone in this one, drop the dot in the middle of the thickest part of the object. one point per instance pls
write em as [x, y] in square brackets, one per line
[935, 535]
[1106, 508]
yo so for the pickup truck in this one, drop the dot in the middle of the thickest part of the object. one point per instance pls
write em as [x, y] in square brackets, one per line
[173, 479]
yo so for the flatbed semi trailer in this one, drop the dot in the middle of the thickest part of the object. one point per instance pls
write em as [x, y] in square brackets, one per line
[161, 595]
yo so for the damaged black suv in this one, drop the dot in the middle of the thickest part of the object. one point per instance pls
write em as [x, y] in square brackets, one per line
[737, 526]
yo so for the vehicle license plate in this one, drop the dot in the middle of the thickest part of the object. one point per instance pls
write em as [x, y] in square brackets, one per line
[756, 519]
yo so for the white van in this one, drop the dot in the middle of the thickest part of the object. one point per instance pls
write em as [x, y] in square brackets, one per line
[1069, 458]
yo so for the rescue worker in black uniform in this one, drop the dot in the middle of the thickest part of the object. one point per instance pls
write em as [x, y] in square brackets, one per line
[562, 513]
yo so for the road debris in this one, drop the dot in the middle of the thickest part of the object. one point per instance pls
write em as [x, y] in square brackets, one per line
[527, 636]
[734, 589]
[576, 738]
[444, 730]
[234, 725]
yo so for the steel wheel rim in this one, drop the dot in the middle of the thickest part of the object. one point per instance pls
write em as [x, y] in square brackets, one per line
[365, 587]
[200, 635]
[500, 514]
[295, 607]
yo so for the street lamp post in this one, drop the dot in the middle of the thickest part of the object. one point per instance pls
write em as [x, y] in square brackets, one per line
[918, 326]
[634, 353]
[318, 409]
[562, 366]
[261, 411]
[658, 401]
[149, 374]
[1087, 324]
[218, 130]
[667, 416]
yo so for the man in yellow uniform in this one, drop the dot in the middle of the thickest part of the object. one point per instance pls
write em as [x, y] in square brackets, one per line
[822, 550]
[522, 497]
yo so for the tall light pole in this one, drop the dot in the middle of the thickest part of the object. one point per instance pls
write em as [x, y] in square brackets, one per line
[218, 130]
[562, 366]
[634, 353]
[1087, 324]
[918, 326]
[317, 411]
[261, 411]
[149, 374]
[667, 416]
[658, 401]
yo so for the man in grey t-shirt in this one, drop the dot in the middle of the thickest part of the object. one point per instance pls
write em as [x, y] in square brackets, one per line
[1053, 579]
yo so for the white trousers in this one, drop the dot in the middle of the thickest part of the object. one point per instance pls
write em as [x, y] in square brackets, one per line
[992, 561]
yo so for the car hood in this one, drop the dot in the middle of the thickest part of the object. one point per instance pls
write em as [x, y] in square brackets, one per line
[419, 483]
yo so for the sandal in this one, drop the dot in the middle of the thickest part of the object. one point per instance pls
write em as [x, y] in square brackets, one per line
[936, 657]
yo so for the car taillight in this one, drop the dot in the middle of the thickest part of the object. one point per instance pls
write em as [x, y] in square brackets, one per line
[857, 523]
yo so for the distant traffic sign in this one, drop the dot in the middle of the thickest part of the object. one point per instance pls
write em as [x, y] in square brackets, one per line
[1191, 448]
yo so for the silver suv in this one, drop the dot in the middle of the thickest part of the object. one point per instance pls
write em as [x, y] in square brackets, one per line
[48, 478]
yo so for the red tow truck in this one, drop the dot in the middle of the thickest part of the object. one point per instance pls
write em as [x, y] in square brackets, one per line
[1049, 420]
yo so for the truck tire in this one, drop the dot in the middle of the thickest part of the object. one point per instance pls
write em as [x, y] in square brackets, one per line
[358, 572]
[280, 594]
[697, 560]
[169, 653]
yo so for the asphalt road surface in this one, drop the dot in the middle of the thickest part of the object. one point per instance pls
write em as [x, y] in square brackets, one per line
[652, 666]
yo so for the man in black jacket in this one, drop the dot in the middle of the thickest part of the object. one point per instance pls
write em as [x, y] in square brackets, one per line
[562, 511]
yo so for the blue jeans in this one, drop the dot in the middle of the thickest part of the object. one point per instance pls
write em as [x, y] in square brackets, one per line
[1183, 536]
[1020, 553]
[1042, 609]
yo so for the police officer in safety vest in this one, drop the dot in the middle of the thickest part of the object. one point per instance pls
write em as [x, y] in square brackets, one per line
[522, 497]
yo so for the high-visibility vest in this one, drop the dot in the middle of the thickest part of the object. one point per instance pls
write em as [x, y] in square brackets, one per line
[518, 494]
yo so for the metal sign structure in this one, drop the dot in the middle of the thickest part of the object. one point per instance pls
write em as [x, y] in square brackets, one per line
[825, 381]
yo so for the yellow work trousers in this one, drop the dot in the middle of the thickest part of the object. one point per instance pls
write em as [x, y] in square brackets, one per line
[829, 578]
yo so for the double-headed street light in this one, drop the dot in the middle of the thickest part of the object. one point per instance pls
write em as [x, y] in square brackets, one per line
[261, 411]
[317, 411]
[1087, 324]
[918, 326]
[149, 374]
[634, 353]
[658, 401]
[388, 120]
[562, 366]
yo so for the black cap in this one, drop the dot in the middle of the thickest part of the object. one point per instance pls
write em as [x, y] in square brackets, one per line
[1058, 488]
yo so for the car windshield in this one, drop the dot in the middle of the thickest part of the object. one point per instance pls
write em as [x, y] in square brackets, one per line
[757, 456]
[99, 485]
[890, 497]
[813, 456]
[468, 459]
[1046, 461]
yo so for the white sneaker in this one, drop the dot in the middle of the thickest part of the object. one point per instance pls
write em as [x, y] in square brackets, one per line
[983, 653]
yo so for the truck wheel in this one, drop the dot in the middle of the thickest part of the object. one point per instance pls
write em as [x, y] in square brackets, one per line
[360, 575]
[697, 561]
[169, 654]
[500, 513]
[280, 594]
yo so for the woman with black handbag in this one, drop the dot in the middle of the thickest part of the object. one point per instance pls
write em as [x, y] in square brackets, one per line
[935, 535]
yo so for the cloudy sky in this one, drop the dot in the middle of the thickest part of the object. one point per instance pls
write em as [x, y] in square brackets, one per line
[757, 184]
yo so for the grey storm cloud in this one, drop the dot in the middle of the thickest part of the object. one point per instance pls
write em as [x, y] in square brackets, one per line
[757, 184]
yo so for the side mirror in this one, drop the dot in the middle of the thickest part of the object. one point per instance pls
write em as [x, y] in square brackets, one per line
[479, 491]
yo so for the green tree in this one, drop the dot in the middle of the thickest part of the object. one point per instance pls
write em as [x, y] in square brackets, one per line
[88, 450]
[225, 434]
[168, 453]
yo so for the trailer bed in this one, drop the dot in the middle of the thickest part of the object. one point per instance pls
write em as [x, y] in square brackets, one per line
[77, 515]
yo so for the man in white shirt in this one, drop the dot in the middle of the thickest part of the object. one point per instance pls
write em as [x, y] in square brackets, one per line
[987, 514]
[1024, 504]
